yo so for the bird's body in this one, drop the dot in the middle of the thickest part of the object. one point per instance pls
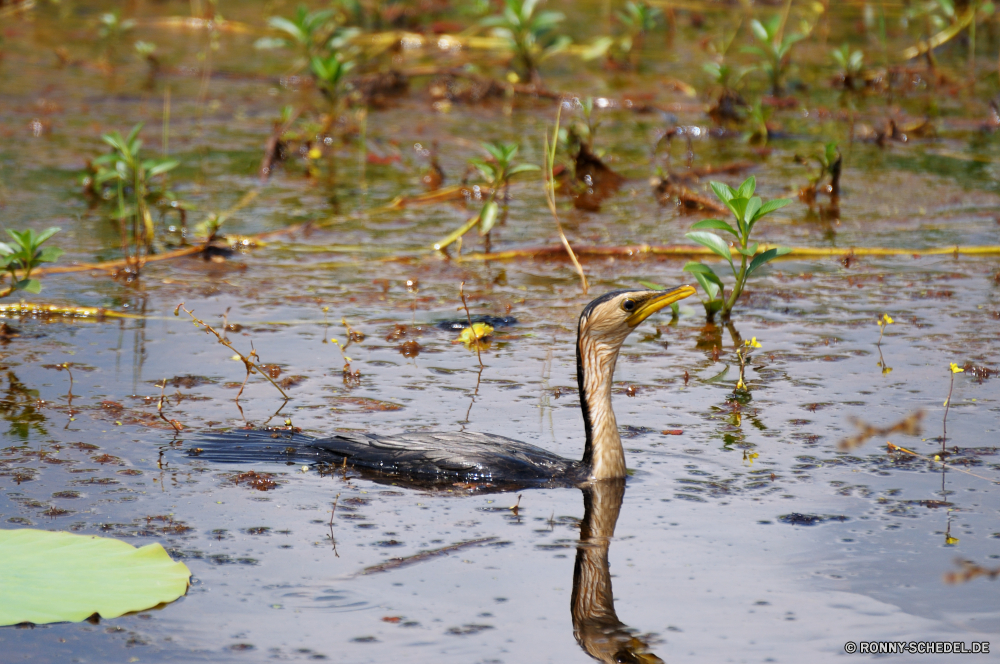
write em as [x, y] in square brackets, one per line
[436, 458]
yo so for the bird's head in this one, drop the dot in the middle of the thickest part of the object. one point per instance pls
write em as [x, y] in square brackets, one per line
[609, 319]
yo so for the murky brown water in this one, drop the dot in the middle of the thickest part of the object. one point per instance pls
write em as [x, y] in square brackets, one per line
[746, 537]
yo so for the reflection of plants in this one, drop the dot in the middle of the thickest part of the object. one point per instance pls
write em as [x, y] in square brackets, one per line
[773, 50]
[496, 172]
[529, 34]
[25, 253]
[747, 210]
[19, 406]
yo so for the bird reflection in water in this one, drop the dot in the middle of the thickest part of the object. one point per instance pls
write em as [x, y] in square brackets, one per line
[595, 624]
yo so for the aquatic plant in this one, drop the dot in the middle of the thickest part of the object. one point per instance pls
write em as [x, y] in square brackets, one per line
[747, 210]
[25, 253]
[829, 162]
[883, 322]
[330, 72]
[496, 172]
[954, 369]
[774, 49]
[851, 64]
[529, 34]
[743, 353]
[111, 29]
[637, 19]
[551, 144]
[251, 362]
[133, 182]
[52, 577]
[314, 33]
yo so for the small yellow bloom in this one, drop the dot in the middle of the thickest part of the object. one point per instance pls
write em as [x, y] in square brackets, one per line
[740, 385]
[477, 332]
[950, 541]
[956, 369]
[512, 77]
[752, 343]
[315, 153]
[887, 320]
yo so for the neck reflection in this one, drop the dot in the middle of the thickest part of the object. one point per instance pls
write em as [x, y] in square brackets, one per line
[595, 624]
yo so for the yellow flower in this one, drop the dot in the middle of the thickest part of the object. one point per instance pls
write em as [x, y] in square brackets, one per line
[950, 541]
[956, 369]
[315, 153]
[887, 320]
[752, 343]
[477, 332]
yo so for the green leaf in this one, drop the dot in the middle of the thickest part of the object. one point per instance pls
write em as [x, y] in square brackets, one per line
[162, 167]
[49, 255]
[488, 217]
[496, 150]
[722, 191]
[29, 286]
[747, 188]
[49, 577]
[738, 207]
[753, 205]
[710, 288]
[286, 26]
[523, 168]
[759, 31]
[767, 208]
[771, 206]
[716, 224]
[46, 234]
[696, 268]
[713, 242]
[766, 257]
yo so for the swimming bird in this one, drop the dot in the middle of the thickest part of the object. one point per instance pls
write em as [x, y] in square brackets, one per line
[434, 458]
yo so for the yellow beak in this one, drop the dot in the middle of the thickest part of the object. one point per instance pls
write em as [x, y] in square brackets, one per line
[657, 302]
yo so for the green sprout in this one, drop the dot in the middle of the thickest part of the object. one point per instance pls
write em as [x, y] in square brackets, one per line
[496, 172]
[774, 49]
[747, 209]
[529, 35]
[124, 175]
[829, 161]
[851, 63]
[25, 253]
[330, 72]
[730, 105]
[637, 20]
[313, 33]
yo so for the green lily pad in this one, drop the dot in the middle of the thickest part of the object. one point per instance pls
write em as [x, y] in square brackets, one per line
[48, 577]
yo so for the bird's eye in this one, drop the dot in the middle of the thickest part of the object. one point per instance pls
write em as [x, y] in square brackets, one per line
[628, 305]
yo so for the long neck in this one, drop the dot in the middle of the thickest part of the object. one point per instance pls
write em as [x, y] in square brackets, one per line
[595, 368]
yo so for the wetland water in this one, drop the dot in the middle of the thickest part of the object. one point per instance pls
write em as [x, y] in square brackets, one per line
[742, 535]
